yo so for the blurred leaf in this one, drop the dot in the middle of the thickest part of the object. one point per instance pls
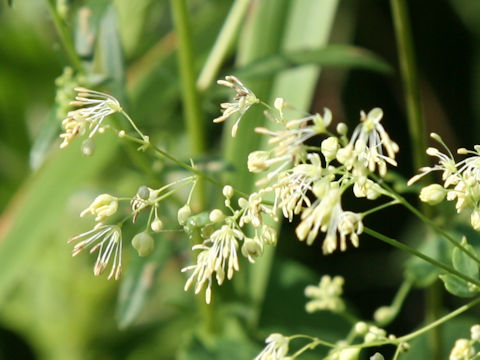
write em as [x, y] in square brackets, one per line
[44, 139]
[137, 283]
[39, 205]
[458, 287]
[464, 263]
[108, 53]
[344, 56]
[423, 273]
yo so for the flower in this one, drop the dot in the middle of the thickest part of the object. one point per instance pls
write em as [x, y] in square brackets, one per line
[326, 296]
[462, 350]
[253, 208]
[276, 349]
[288, 144]
[433, 194]
[366, 145]
[95, 106]
[446, 164]
[103, 206]
[243, 99]
[108, 241]
[218, 254]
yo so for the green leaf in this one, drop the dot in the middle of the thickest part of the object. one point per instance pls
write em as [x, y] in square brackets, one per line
[458, 287]
[344, 56]
[137, 283]
[39, 206]
[464, 263]
[423, 273]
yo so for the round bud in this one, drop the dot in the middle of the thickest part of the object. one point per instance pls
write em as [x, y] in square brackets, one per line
[228, 191]
[156, 225]
[88, 147]
[143, 192]
[433, 194]
[183, 214]
[342, 129]
[361, 328]
[377, 356]
[216, 216]
[383, 315]
[143, 242]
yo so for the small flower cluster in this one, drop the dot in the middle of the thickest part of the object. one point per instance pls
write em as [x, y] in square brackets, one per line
[464, 349]
[461, 180]
[311, 184]
[326, 296]
[94, 106]
[107, 239]
[223, 235]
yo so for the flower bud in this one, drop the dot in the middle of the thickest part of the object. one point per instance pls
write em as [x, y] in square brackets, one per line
[329, 148]
[143, 242]
[433, 194]
[475, 332]
[361, 328]
[216, 216]
[103, 206]
[342, 129]
[257, 161]
[143, 192]
[269, 235]
[156, 225]
[252, 248]
[351, 353]
[183, 214]
[228, 191]
[475, 219]
[88, 147]
[383, 315]
[377, 356]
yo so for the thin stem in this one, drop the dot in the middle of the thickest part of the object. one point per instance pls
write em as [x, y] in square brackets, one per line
[193, 118]
[427, 220]
[417, 253]
[65, 37]
[440, 321]
[144, 137]
[222, 44]
[409, 75]
[380, 207]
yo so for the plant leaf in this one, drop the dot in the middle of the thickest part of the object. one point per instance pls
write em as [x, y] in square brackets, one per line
[458, 287]
[344, 56]
[137, 283]
[464, 263]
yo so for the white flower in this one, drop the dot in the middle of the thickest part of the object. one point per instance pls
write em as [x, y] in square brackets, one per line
[253, 208]
[243, 99]
[326, 296]
[462, 350]
[433, 194]
[292, 186]
[103, 206]
[368, 141]
[475, 332]
[276, 349]
[446, 164]
[287, 143]
[95, 106]
[108, 241]
[218, 254]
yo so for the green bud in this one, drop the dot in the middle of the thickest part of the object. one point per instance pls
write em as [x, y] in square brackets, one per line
[88, 147]
[143, 192]
[143, 242]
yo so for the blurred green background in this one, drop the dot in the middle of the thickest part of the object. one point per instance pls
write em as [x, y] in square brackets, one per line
[51, 307]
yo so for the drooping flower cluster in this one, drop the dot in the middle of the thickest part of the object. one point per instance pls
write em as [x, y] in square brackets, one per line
[107, 239]
[223, 237]
[311, 184]
[94, 106]
[461, 180]
[276, 349]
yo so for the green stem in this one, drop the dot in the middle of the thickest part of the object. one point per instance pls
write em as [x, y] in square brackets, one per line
[409, 75]
[440, 321]
[427, 220]
[422, 256]
[65, 37]
[193, 118]
[222, 44]
[380, 207]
